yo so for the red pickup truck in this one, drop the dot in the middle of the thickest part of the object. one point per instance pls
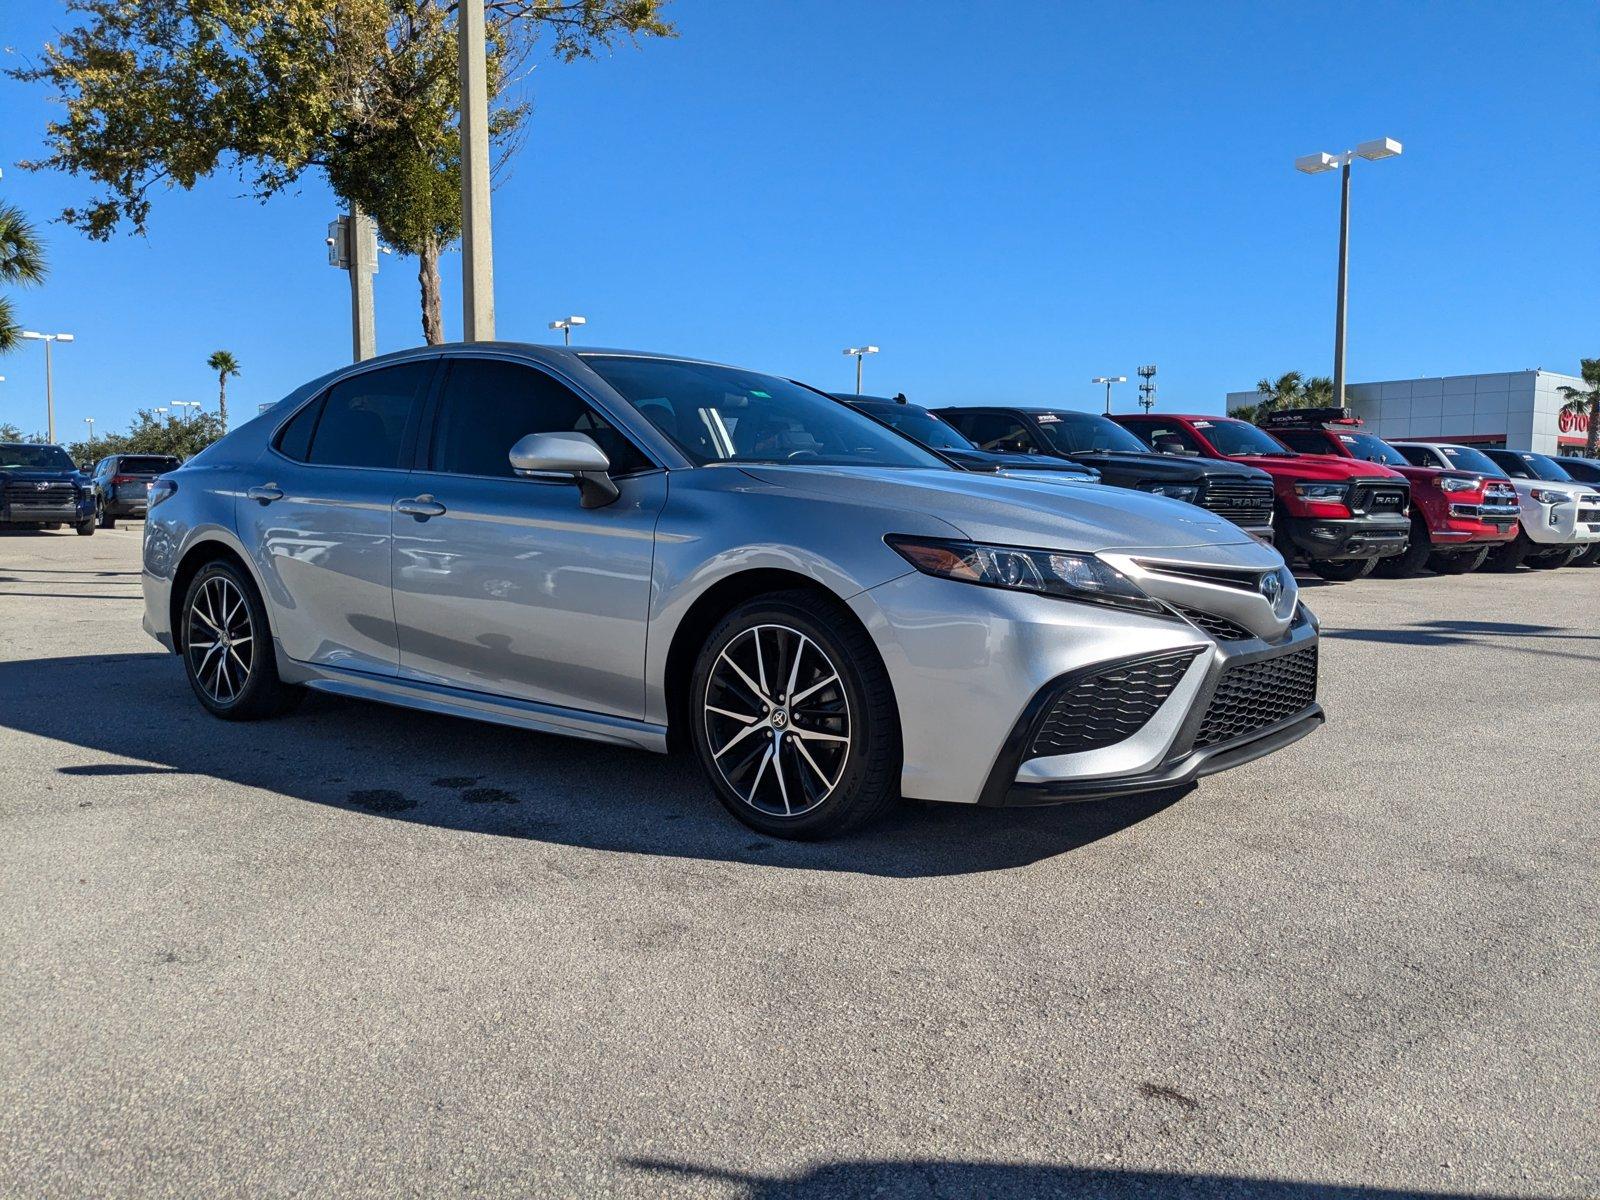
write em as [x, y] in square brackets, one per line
[1457, 516]
[1340, 516]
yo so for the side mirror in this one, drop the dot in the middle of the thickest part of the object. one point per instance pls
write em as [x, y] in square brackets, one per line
[570, 454]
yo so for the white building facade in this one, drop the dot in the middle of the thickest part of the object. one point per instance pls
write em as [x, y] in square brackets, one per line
[1519, 410]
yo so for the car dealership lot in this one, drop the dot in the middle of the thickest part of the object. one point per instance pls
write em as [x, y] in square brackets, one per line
[378, 952]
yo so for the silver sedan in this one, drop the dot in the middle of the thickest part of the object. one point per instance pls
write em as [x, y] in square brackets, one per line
[654, 551]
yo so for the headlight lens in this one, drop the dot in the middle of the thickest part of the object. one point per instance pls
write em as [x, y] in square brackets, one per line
[1454, 483]
[1047, 572]
[1176, 491]
[1325, 492]
[1546, 496]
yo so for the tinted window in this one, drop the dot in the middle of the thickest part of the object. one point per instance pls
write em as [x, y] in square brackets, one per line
[1420, 456]
[723, 414]
[1232, 437]
[1511, 464]
[1582, 469]
[295, 440]
[488, 406]
[146, 464]
[1545, 467]
[996, 431]
[44, 458]
[1364, 445]
[1168, 437]
[1469, 459]
[918, 424]
[363, 421]
[1083, 433]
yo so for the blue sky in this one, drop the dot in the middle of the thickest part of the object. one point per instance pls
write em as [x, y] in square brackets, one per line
[1008, 199]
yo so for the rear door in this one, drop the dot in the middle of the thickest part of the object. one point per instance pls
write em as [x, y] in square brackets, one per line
[511, 587]
[316, 517]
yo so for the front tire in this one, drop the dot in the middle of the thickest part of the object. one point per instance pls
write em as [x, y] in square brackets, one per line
[227, 647]
[1551, 562]
[1343, 570]
[1463, 563]
[793, 717]
[1509, 556]
[107, 521]
[85, 527]
[1409, 561]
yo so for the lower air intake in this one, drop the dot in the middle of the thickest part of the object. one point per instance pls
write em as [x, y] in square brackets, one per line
[1254, 695]
[1093, 711]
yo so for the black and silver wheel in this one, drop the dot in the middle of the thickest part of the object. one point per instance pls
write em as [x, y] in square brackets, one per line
[794, 722]
[106, 520]
[227, 649]
[1508, 556]
[1555, 560]
[1409, 561]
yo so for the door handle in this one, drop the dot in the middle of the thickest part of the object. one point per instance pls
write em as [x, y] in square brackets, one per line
[421, 507]
[266, 495]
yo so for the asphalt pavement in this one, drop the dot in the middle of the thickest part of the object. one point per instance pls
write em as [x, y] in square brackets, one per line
[361, 951]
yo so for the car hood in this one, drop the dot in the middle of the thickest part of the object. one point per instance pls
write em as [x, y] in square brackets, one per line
[1575, 490]
[1009, 510]
[1318, 466]
[38, 475]
[994, 460]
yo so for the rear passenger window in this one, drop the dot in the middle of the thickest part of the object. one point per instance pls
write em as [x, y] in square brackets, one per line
[295, 440]
[997, 431]
[1307, 441]
[361, 422]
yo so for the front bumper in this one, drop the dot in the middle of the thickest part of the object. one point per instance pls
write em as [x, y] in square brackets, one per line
[1346, 537]
[1575, 523]
[22, 513]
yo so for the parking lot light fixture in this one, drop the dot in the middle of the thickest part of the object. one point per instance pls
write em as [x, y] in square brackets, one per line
[89, 421]
[1315, 164]
[1108, 380]
[49, 383]
[189, 404]
[566, 325]
[860, 352]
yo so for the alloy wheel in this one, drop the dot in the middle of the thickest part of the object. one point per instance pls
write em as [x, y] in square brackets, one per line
[220, 640]
[777, 720]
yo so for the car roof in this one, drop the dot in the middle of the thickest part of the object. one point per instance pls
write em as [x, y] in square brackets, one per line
[1032, 410]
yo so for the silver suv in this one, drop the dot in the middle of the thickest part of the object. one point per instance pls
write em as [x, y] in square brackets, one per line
[651, 551]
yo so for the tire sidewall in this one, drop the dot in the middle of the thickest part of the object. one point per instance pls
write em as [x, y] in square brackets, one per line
[868, 741]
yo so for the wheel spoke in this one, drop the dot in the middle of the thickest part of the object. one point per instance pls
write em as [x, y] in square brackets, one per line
[756, 688]
[732, 716]
[817, 735]
[794, 668]
[761, 663]
[800, 745]
[760, 771]
[737, 738]
[783, 788]
[812, 690]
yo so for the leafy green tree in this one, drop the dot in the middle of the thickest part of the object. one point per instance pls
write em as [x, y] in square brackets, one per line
[163, 93]
[1586, 402]
[153, 433]
[10, 432]
[224, 364]
[21, 264]
[1316, 392]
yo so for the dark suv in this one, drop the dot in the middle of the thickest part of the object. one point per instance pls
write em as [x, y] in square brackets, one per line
[122, 484]
[42, 488]
[1241, 494]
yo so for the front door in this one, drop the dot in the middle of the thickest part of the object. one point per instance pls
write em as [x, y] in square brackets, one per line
[507, 585]
[317, 510]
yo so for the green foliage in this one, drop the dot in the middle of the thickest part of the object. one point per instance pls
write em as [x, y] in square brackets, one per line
[1289, 390]
[10, 432]
[1586, 401]
[153, 433]
[21, 264]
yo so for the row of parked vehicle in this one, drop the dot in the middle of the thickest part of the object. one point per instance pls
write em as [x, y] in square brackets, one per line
[1311, 481]
[42, 488]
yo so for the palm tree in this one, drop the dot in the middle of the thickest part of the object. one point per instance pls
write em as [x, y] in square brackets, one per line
[22, 263]
[1586, 402]
[1286, 391]
[224, 364]
[1317, 392]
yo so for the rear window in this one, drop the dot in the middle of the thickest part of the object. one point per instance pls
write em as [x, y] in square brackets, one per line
[360, 421]
[146, 464]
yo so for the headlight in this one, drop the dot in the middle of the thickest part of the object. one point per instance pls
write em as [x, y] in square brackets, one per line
[1176, 491]
[1048, 572]
[1325, 492]
[1454, 483]
[1546, 496]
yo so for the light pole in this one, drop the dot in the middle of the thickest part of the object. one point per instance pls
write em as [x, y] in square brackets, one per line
[187, 404]
[89, 421]
[860, 352]
[477, 253]
[566, 325]
[1108, 380]
[49, 385]
[1315, 164]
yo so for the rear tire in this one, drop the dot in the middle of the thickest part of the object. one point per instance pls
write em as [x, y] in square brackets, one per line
[1463, 563]
[1409, 561]
[107, 521]
[227, 647]
[810, 770]
[1510, 555]
[1343, 570]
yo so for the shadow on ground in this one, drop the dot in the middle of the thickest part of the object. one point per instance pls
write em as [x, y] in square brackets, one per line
[394, 764]
[1468, 633]
[946, 1180]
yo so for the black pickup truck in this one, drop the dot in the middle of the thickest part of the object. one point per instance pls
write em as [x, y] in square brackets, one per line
[1241, 494]
[41, 488]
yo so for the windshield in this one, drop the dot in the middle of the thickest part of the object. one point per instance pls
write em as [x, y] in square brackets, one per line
[1544, 467]
[1232, 438]
[918, 424]
[1469, 459]
[1364, 445]
[722, 414]
[1085, 433]
[45, 458]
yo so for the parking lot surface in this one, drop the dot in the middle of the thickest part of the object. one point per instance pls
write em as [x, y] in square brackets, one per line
[369, 952]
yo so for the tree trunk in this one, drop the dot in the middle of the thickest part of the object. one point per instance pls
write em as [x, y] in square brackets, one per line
[432, 308]
[1592, 442]
[222, 401]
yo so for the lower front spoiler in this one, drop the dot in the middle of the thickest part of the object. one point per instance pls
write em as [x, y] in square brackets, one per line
[1195, 765]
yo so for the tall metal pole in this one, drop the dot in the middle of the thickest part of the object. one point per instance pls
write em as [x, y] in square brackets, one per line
[1344, 269]
[363, 264]
[1108, 397]
[49, 396]
[477, 253]
[859, 357]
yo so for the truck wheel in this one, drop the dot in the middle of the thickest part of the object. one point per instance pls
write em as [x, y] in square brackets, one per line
[107, 521]
[227, 647]
[1550, 562]
[1508, 556]
[793, 718]
[1409, 561]
[1343, 570]
[1590, 557]
[1463, 563]
[85, 527]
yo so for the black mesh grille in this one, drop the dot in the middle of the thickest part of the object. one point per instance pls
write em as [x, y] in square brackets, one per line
[1247, 500]
[51, 494]
[1252, 696]
[1104, 708]
[1220, 628]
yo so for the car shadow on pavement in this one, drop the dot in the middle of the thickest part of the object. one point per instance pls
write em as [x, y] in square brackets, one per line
[391, 763]
[1471, 633]
[916, 1179]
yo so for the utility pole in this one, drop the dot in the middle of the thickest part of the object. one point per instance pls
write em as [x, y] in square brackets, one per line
[1108, 380]
[860, 352]
[49, 380]
[353, 247]
[477, 248]
[1147, 387]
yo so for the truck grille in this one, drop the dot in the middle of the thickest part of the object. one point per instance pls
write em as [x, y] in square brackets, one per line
[1380, 498]
[1252, 696]
[1218, 627]
[1245, 501]
[47, 495]
[1115, 703]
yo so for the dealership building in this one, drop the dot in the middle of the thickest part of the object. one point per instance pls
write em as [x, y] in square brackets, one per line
[1519, 410]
